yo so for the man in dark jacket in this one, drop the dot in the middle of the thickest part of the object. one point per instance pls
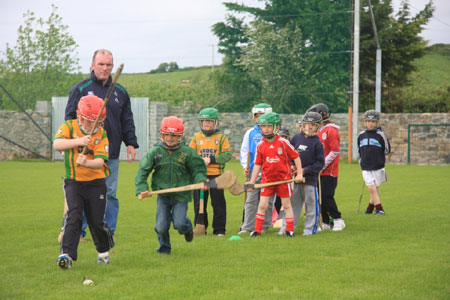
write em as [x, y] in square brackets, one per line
[119, 122]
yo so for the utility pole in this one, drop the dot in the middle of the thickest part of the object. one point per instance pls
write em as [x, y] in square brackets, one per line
[378, 63]
[356, 78]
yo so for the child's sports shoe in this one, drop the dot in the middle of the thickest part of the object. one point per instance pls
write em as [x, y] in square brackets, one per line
[289, 233]
[103, 258]
[338, 225]
[325, 226]
[255, 234]
[189, 236]
[368, 212]
[379, 213]
[64, 261]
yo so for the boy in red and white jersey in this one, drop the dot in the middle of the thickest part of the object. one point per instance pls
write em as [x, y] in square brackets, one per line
[273, 158]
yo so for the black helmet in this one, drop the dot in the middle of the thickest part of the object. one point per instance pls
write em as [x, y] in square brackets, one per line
[312, 117]
[372, 115]
[283, 131]
[322, 109]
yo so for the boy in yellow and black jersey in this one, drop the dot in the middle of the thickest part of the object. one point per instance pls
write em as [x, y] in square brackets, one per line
[214, 148]
[84, 182]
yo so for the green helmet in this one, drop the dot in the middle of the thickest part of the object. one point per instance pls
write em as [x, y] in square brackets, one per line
[209, 114]
[270, 118]
[261, 108]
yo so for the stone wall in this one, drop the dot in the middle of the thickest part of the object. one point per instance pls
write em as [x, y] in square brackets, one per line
[429, 144]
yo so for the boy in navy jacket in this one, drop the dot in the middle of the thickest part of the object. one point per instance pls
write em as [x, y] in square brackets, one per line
[373, 145]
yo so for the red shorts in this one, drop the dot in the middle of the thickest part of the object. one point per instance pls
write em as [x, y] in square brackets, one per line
[282, 190]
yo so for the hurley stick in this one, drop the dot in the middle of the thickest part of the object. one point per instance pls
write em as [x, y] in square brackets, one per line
[224, 181]
[360, 196]
[239, 188]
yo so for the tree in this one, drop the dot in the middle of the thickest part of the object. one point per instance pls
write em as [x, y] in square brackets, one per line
[400, 44]
[325, 28]
[173, 66]
[275, 58]
[42, 64]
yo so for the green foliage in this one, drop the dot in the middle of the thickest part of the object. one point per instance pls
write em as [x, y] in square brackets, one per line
[42, 64]
[165, 68]
[275, 59]
[400, 44]
[324, 26]
[371, 259]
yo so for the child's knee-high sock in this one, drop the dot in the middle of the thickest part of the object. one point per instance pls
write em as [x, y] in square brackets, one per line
[289, 224]
[259, 222]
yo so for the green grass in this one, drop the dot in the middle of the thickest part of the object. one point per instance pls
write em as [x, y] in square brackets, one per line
[402, 255]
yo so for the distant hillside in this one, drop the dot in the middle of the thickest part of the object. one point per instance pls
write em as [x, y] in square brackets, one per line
[185, 75]
[435, 65]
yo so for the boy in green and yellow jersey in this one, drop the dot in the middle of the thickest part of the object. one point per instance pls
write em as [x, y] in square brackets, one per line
[214, 148]
[84, 182]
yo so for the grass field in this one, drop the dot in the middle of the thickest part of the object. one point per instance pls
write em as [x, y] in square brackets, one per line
[402, 255]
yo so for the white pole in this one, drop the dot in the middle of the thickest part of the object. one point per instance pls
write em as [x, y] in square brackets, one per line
[355, 80]
[378, 82]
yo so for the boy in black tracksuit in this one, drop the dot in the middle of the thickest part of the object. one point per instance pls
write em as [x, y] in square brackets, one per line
[373, 145]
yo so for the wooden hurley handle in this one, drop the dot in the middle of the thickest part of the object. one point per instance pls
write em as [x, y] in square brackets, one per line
[190, 187]
[261, 185]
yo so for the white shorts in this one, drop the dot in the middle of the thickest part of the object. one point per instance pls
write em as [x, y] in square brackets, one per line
[374, 177]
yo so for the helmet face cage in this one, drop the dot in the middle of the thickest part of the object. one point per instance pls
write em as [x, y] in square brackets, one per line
[261, 108]
[372, 115]
[322, 109]
[172, 126]
[311, 117]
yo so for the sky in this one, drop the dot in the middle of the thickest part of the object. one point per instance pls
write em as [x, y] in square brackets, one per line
[143, 34]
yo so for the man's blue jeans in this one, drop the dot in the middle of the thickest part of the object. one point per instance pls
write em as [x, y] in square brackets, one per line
[112, 204]
[170, 210]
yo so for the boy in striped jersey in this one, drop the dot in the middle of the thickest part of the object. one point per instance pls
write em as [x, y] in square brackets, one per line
[84, 182]
[214, 148]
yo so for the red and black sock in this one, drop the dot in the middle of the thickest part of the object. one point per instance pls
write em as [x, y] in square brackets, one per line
[379, 207]
[370, 208]
[259, 222]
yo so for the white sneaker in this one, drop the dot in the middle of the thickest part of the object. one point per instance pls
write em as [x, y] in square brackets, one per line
[326, 226]
[338, 225]
[103, 258]
[281, 232]
[243, 232]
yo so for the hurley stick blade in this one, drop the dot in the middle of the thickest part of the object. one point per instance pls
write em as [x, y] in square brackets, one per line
[239, 188]
[224, 181]
[200, 228]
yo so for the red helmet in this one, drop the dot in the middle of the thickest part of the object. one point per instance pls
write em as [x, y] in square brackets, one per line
[89, 106]
[172, 125]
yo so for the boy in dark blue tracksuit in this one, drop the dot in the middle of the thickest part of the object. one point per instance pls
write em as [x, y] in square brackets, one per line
[308, 144]
[373, 145]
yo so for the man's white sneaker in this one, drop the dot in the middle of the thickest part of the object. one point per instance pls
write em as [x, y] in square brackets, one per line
[103, 258]
[338, 225]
